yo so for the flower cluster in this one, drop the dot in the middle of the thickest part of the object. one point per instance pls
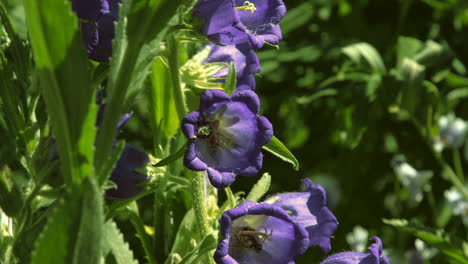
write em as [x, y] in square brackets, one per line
[96, 20]
[225, 133]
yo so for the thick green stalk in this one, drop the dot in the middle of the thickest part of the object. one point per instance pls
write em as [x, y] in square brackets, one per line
[175, 76]
[106, 136]
[199, 202]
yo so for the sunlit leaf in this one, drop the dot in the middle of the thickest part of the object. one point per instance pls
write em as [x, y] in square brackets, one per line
[277, 148]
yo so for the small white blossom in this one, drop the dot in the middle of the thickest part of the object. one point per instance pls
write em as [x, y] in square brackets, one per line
[457, 204]
[415, 181]
[452, 132]
[358, 239]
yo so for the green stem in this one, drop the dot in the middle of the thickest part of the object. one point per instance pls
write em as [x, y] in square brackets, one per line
[173, 60]
[199, 202]
[118, 90]
[144, 238]
[458, 164]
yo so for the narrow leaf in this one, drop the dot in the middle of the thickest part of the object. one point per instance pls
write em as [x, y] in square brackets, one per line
[277, 148]
[173, 157]
[436, 238]
[260, 188]
[231, 79]
[363, 52]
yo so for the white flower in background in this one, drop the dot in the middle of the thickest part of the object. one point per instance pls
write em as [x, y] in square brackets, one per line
[424, 250]
[457, 203]
[452, 132]
[6, 225]
[358, 239]
[414, 181]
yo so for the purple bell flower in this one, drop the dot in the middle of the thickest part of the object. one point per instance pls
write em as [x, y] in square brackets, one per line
[374, 257]
[226, 136]
[230, 22]
[310, 210]
[260, 234]
[128, 181]
[97, 19]
[245, 60]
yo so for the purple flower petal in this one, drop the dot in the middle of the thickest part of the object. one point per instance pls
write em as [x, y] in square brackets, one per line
[226, 136]
[374, 257]
[97, 19]
[230, 22]
[245, 61]
[259, 234]
[127, 180]
[310, 210]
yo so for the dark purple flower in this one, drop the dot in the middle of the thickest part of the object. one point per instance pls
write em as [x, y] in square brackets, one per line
[309, 209]
[245, 61]
[128, 181]
[260, 234]
[231, 22]
[226, 136]
[374, 257]
[97, 19]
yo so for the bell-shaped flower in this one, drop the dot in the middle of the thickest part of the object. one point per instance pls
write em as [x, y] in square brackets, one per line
[452, 133]
[231, 22]
[277, 230]
[96, 19]
[260, 234]
[125, 176]
[226, 135]
[309, 209]
[374, 257]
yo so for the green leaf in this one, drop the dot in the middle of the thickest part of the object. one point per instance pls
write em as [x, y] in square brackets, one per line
[139, 31]
[110, 162]
[173, 157]
[260, 188]
[363, 52]
[183, 243]
[407, 48]
[413, 75]
[297, 17]
[209, 243]
[231, 79]
[433, 54]
[73, 233]
[436, 238]
[277, 148]
[115, 244]
[162, 103]
[65, 80]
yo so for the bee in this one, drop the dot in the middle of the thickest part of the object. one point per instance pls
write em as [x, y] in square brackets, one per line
[247, 237]
[209, 132]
